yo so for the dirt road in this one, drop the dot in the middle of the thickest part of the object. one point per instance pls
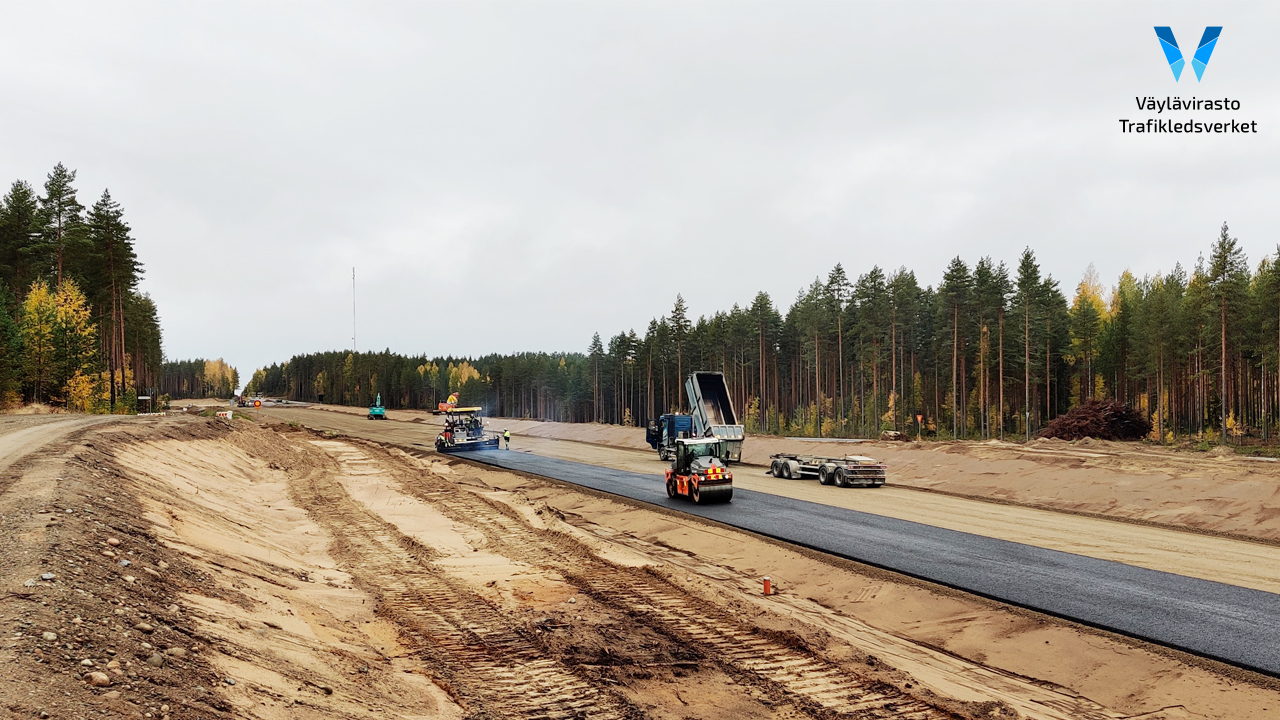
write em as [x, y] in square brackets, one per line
[23, 435]
[1236, 562]
[287, 574]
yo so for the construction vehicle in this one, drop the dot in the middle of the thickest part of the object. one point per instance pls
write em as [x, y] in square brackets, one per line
[376, 411]
[847, 471]
[662, 433]
[464, 430]
[712, 412]
[699, 471]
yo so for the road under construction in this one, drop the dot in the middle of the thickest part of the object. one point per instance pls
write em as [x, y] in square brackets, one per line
[309, 561]
[1219, 620]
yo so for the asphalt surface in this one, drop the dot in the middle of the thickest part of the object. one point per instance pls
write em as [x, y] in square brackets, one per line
[1224, 622]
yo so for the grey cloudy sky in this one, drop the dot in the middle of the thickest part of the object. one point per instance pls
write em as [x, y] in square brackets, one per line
[512, 177]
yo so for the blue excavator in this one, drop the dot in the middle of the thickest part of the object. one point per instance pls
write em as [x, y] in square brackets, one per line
[376, 410]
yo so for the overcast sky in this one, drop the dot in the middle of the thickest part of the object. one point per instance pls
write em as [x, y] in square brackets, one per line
[510, 177]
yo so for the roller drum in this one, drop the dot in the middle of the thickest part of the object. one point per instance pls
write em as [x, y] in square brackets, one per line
[714, 494]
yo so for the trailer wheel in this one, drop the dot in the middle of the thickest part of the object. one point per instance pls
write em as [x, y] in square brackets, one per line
[842, 479]
[793, 470]
[784, 467]
[773, 469]
[824, 475]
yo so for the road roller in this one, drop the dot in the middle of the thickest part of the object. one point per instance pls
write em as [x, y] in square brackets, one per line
[700, 471]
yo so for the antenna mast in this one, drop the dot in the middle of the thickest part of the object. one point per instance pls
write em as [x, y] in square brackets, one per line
[353, 310]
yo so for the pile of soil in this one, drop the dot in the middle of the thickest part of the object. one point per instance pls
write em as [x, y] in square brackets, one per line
[1102, 419]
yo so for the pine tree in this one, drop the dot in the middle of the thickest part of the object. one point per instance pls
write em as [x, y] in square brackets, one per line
[1228, 277]
[874, 313]
[1027, 301]
[596, 352]
[10, 352]
[61, 216]
[954, 294]
[21, 244]
[840, 290]
[904, 304]
[114, 273]
[990, 292]
[679, 324]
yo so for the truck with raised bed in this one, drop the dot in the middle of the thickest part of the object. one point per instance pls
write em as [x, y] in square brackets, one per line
[712, 411]
[845, 471]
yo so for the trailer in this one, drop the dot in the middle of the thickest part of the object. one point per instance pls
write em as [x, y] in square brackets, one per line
[712, 411]
[846, 471]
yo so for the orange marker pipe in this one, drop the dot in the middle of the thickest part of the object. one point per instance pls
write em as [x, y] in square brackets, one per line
[768, 586]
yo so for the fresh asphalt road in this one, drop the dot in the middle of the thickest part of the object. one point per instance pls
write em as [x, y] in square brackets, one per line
[1224, 622]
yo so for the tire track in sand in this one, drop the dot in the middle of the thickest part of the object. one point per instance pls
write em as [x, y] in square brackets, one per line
[814, 683]
[485, 660]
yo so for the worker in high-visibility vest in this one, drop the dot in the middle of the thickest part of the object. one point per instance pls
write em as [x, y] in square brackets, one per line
[506, 436]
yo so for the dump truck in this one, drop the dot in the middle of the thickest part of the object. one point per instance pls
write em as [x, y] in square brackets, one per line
[464, 430]
[846, 471]
[712, 411]
[661, 434]
[376, 410]
[699, 471]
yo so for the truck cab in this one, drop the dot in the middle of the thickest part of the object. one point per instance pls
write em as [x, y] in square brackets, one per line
[663, 433]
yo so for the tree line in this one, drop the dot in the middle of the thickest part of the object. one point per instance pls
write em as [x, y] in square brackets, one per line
[198, 379]
[992, 351]
[74, 329]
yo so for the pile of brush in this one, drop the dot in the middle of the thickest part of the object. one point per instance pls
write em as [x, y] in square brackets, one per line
[1101, 419]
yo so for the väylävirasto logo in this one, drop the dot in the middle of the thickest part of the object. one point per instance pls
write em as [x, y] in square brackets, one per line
[1174, 55]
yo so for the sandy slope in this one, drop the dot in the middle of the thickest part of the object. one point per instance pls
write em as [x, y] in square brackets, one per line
[333, 578]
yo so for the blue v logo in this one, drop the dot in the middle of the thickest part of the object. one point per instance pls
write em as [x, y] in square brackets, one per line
[1174, 55]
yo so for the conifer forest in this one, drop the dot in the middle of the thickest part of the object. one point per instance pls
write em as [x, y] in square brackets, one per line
[74, 329]
[996, 350]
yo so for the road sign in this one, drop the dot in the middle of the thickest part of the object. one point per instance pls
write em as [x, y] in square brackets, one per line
[144, 397]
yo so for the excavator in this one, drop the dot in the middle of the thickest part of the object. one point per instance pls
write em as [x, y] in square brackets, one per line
[376, 410]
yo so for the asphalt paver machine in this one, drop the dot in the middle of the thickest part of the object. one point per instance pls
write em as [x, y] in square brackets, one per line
[464, 430]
